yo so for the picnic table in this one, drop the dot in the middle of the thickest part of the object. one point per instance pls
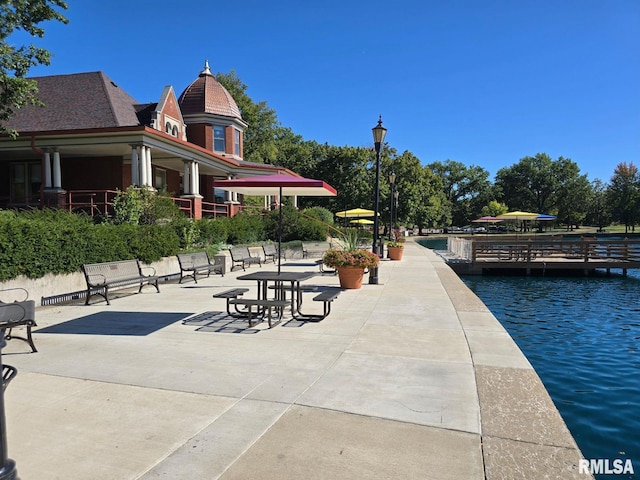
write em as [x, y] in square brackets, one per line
[283, 282]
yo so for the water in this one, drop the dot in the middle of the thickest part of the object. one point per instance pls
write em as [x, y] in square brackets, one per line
[582, 336]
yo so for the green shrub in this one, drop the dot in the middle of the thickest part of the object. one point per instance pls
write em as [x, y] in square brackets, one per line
[246, 228]
[143, 205]
[213, 231]
[323, 214]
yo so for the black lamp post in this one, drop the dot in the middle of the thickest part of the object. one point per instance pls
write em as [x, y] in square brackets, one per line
[378, 137]
[395, 196]
[392, 184]
[7, 466]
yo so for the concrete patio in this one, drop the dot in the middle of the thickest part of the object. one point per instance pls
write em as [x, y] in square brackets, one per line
[410, 379]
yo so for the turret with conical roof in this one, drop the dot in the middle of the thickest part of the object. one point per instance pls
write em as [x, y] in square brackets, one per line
[212, 116]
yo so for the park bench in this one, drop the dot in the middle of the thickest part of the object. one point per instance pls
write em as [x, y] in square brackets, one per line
[198, 263]
[102, 277]
[20, 313]
[270, 252]
[315, 249]
[240, 256]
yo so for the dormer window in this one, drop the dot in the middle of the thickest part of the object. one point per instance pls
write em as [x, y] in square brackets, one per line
[218, 139]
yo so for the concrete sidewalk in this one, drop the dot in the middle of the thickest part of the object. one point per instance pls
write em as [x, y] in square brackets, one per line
[409, 379]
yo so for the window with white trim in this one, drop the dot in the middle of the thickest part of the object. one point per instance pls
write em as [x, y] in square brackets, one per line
[218, 138]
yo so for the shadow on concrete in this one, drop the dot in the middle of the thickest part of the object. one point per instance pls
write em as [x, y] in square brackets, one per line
[117, 323]
[219, 322]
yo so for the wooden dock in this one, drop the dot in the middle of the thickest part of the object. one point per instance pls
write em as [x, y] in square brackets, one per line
[537, 255]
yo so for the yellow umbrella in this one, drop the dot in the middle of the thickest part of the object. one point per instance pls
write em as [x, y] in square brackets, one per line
[356, 213]
[517, 215]
[362, 221]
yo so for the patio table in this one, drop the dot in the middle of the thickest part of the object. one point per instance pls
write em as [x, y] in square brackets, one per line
[282, 281]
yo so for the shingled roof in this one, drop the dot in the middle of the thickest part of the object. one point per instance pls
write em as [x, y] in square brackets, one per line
[207, 95]
[77, 101]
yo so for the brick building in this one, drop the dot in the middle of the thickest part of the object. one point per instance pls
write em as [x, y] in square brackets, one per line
[92, 138]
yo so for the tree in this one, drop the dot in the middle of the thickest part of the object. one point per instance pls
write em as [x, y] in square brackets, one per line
[17, 91]
[573, 200]
[542, 185]
[466, 188]
[493, 209]
[624, 194]
[598, 211]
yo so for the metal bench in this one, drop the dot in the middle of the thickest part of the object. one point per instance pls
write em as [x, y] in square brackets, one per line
[240, 256]
[102, 277]
[198, 263]
[270, 252]
[262, 307]
[231, 295]
[314, 248]
[20, 313]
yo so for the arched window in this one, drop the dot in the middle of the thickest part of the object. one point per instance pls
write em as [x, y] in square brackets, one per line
[174, 132]
[167, 127]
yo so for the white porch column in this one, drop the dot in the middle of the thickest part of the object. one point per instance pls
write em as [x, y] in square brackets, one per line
[195, 178]
[186, 179]
[149, 169]
[57, 173]
[135, 177]
[143, 169]
[227, 194]
[47, 170]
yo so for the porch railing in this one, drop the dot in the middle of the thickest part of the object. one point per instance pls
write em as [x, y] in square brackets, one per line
[100, 202]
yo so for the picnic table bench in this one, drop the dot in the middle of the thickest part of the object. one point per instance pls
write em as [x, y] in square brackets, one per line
[20, 313]
[326, 296]
[229, 295]
[102, 277]
[263, 307]
[198, 263]
[240, 256]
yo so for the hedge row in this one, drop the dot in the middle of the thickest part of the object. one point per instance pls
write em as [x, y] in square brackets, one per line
[38, 242]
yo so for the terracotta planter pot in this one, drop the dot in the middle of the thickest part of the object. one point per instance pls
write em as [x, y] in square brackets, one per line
[350, 277]
[395, 253]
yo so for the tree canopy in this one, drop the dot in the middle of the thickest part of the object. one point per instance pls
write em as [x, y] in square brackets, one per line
[17, 91]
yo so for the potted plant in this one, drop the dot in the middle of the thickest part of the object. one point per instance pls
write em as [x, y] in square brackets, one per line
[350, 261]
[395, 250]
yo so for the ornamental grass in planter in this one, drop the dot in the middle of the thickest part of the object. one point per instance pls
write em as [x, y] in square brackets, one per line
[350, 262]
[395, 250]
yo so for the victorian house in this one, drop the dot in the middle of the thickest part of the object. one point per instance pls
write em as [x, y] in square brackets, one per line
[91, 139]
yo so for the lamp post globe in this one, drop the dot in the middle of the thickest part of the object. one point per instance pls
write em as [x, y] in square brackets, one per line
[379, 133]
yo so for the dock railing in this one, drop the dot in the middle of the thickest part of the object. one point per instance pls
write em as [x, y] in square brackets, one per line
[547, 249]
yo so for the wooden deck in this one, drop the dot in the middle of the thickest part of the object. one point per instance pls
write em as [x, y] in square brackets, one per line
[476, 256]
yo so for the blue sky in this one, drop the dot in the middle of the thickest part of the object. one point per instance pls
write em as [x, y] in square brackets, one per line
[481, 82]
